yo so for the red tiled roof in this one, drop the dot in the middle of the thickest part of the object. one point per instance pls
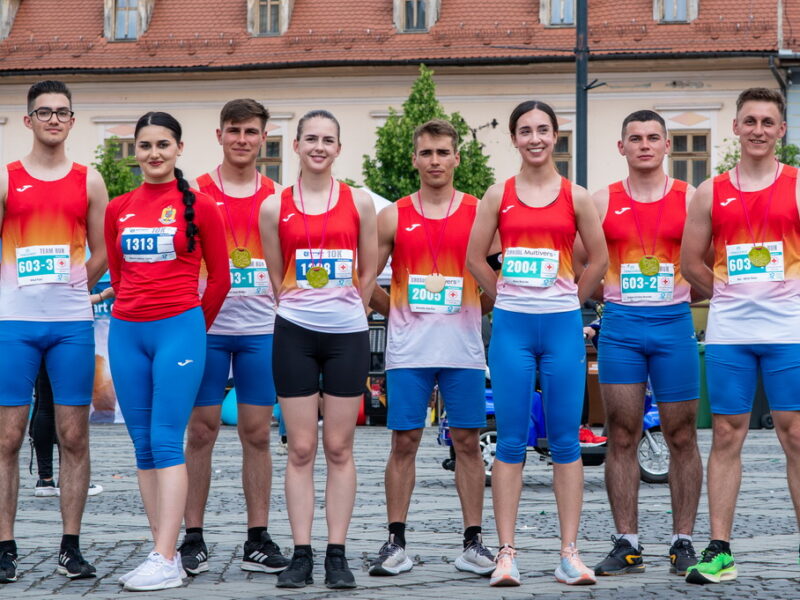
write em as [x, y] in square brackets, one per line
[68, 34]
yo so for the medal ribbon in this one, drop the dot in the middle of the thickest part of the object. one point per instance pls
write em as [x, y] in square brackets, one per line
[435, 254]
[324, 223]
[766, 210]
[228, 210]
[632, 204]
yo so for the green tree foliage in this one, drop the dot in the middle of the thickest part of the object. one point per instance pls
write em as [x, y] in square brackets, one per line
[731, 153]
[391, 174]
[116, 172]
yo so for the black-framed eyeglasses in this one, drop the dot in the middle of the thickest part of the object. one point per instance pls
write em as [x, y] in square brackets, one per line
[45, 114]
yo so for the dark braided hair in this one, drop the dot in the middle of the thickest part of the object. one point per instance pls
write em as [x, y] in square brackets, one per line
[167, 121]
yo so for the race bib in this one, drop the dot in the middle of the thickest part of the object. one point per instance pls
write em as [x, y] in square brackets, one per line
[447, 301]
[148, 244]
[337, 263]
[43, 264]
[636, 287]
[741, 270]
[253, 280]
[530, 267]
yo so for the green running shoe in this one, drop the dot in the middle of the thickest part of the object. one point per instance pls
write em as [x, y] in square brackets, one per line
[714, 566]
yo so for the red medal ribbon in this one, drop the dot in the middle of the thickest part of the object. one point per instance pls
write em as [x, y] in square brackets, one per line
[324, 223]
[435, 254]
[632, 204]
[228, 210]
[766, 210]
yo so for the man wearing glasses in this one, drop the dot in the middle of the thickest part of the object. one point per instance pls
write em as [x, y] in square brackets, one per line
[50, 208]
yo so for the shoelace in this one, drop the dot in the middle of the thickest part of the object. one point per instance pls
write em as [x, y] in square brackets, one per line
[506, 553]
[686, 545]
[153, 564]
[709, 554]
[388, 549]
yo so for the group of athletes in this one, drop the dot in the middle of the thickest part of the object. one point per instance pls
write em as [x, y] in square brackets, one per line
[212, 274]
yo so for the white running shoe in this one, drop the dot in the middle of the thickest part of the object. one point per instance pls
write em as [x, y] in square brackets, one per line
[94, 489]
[156, 573]
[506, 572]
[392, 559]
[476, 558]
[572, 571]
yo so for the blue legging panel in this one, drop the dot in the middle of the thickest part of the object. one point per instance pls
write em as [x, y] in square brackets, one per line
[157, 367]
[553, 343]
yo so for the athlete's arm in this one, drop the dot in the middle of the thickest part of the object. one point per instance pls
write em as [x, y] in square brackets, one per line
[387, 227]
[580, 258]
[215, 254]
[3, 194]
[367, 246]
[696, 241]
[496, 248]
[98, 200]
[268, 227]
[483, 234]
[591, 234]
[114, 252]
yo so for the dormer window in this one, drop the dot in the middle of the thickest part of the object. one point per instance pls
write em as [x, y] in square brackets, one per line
[268, 17]
[8, 10]
[557, 13]
[127, 20]
[413, 16]
[675, 11]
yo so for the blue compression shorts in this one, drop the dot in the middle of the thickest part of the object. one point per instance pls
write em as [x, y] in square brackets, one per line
[553, 343]
[251, 356]
[67, 348]
[463, 391]
[157, 367]
[655, 341]
[732, 376]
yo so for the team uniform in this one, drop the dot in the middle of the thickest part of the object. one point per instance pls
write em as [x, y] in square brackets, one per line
[537, 322]
[647, 325]
[321, 331]
[754, 317]
[434, 337]
[242, 332]
[157, 344]
[45, 311]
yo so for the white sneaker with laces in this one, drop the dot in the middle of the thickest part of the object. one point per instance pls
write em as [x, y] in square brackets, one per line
[156, 573]
[476, 558]
[572, 571]
[392, 560]
[506, 572]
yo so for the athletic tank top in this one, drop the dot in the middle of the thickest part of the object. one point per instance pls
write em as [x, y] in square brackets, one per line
[427, 329]
[249, 308]
[751, 304]
[43, 271]
[624, 282]
[337, 307]
[537, 275]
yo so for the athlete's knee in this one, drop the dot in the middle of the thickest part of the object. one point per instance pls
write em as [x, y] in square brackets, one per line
[166, 447]
[729, 433]
[406, 443]
[465, 441]
[338, 453]
[564, 451]
[302, 452]
[789, 436]
[681, 439]
[202, 433]
[73, 441]
[511, 451]
[623, 437]
[254, 435]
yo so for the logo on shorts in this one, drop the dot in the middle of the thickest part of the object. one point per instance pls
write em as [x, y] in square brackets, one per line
[168, 215]
[622, 210]
[183, 363]
[727, 201]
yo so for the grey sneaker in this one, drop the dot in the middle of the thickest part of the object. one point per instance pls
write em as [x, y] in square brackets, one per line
[476, 558]
[392, 559]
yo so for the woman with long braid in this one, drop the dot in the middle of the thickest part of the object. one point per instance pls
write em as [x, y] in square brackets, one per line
[156, 237]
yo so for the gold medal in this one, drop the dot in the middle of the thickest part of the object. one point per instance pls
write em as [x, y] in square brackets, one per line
[649, 265]
[434, 283]
[317, 277]
[759, 256]
[240, 257]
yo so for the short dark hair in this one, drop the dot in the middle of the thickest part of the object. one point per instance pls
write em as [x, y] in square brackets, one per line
[437, 128]
[528, 106]
[322, 114]
[243, 109]
[48, 86]
[761, 94]
[642, 116]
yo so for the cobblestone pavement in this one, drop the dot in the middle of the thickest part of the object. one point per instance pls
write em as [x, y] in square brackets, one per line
[115, 534]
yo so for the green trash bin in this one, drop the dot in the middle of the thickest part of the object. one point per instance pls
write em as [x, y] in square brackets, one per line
[703, 406]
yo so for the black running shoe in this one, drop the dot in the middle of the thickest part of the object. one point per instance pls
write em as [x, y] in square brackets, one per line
[8, 567]
[264, 556]
[299, 572]
[194, 554]
[681, 556]
[338, 575]
[622, 559]
[72, 564]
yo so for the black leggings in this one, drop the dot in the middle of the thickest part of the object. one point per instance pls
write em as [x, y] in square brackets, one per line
[43, 425]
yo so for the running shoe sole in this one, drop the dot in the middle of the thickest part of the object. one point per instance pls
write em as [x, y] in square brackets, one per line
[622, 571]
[63, 571]
[45, 492]
[259, 568]
[695, 576]
[164, 585]
[506, 580]
[201, 568]
[468, 567]
[584, 579]
[295, 584]
[340, 585]
[381, 571]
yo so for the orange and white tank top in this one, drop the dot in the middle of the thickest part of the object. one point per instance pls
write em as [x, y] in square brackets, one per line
[43, 270]
[624, 282]
[537, 274]
[428, 329]
[755, 304]
[336, 307]
[249, 308]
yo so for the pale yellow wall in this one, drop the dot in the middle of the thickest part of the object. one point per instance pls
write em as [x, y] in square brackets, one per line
[360, 102]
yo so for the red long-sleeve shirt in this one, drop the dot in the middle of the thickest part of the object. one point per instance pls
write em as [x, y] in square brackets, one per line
[153, 274]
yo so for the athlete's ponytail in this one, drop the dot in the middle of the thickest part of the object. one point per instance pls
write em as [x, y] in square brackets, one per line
[167, 121]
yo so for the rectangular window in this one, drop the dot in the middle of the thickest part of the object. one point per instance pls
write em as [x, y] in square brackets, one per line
[562, 12]
[126, 14]
[675, 11]
[415, 15]
[690, 159]
[269, 22]
[562, 154]
[269, 159]
[126, 150]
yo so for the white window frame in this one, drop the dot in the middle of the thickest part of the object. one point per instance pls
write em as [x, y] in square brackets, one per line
[143, 14]
[432, 9]
[546, 13]
[8, 10]
[663, 11]
[284, 18]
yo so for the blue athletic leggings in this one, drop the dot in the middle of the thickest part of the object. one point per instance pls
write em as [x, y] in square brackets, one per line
[553, 343]
[157, 367]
